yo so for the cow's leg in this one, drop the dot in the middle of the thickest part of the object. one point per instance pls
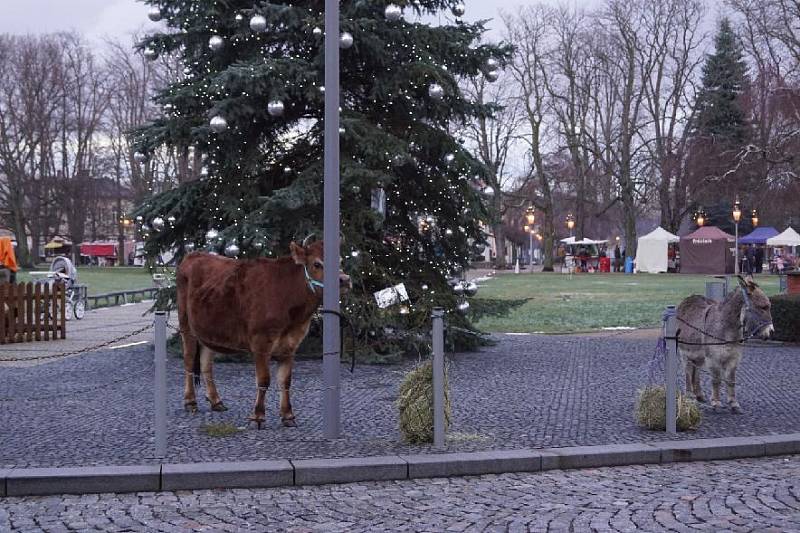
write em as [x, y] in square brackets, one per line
[207, 369]
[730, 381]
[716, 381]
[285, 383]
[262, 384]
[190, 347]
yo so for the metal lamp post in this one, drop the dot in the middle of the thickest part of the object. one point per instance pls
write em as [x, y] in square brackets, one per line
[737, 216]
[530, 217]
[331, 423]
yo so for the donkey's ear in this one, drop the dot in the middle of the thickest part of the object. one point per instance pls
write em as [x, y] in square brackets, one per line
[750, 282]
[742, 281]
[298, 253]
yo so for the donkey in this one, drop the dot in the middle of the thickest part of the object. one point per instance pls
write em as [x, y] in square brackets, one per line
[712, 335]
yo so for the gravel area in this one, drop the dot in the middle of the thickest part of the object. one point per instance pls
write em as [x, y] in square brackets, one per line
[746, 495]
[527, 391]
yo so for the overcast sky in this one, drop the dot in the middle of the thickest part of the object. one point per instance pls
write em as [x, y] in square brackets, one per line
[100, 18]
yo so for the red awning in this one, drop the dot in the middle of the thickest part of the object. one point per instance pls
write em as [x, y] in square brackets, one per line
[99, 249]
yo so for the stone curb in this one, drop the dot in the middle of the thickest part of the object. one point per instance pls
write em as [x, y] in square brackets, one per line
[274, 473]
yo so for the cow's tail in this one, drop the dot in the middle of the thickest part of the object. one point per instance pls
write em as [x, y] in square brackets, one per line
[196, 367]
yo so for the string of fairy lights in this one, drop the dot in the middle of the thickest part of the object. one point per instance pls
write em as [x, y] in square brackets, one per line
[273, 52]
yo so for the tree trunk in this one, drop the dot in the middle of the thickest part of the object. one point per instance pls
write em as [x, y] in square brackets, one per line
[23, 254]
[500, 245]
[548, 238]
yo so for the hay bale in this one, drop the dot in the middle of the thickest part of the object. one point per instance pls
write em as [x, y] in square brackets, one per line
[415, 403]
[651, 410]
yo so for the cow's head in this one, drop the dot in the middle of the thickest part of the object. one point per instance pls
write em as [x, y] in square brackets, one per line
[757, 314]
[312, 257]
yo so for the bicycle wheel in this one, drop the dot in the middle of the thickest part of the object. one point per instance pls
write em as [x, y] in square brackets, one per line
[69, 310]
[80, 309]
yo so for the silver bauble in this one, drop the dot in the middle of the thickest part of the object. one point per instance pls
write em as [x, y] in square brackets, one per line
[424, 287]
[258, 23]
[258, 245]
[492, 75]
[275, 108]
[459, 9]
[393, 12]
[239, 17]
[212, 235]
[354, 253]
[436, 91]
[232, 250]
[139, 157]
[448, 232]
[492, 64]
[321, 89]
[216, 43]
[458, 288]
[219, 124]
[449, 158]
[150, 53]
[317, 31]
[345, 40]
[463, 306]
[158, 223]
[471, 289]
[287, 170]
[139, 218]
[189, 246]
[154, 14]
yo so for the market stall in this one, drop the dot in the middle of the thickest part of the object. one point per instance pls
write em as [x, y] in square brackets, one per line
[709, 250]
[652, 252]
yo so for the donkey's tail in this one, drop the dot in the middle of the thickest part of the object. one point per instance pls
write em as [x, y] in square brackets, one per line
[196, 367]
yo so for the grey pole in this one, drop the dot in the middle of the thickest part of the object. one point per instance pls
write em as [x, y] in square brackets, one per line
[161, 383]
[531, 250]
[438, 376]
[671, 371]
[330, 298]
[736, 250]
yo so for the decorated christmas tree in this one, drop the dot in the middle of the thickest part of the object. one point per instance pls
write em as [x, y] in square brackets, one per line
[249, 106]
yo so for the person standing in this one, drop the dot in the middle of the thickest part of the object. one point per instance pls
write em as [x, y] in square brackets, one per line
[8, 261]
[617, 255]
[759, 257]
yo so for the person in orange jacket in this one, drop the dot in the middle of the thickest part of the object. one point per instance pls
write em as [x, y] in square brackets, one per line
[8, 261]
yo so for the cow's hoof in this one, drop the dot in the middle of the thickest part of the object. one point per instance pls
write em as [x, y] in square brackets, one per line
[190, 407]
[219, 406]
[258, 421]
[289, 422]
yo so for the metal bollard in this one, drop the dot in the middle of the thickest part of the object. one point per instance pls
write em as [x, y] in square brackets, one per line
[715, 290]
[438, 376]
[671, 371]
[161, 384]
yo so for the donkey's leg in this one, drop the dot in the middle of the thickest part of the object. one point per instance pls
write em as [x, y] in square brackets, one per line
[262, 384]
[190, 347]
[207, 368]
[730, 381]
[716, 381]
[285, 383]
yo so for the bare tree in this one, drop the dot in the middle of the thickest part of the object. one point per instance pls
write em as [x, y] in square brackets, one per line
[493, 137]
[528, 31]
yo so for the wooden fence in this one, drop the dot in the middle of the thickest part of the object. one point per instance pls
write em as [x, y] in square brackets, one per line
[32, 311]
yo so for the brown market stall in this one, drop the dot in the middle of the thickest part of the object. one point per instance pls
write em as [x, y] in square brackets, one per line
[709, 250]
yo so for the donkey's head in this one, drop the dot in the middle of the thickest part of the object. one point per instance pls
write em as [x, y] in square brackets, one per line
[757, 318]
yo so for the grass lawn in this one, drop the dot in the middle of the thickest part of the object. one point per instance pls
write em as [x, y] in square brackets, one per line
[587, 302]
[107, 279]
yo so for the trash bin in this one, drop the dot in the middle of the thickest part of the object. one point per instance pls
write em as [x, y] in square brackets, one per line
[629, 265]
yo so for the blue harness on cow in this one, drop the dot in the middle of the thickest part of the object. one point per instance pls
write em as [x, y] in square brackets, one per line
[312, 283]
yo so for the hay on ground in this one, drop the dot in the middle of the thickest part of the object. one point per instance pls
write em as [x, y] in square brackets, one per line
[651, 410]
[415, 403]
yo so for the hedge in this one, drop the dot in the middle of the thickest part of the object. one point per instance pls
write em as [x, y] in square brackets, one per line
[786, 317]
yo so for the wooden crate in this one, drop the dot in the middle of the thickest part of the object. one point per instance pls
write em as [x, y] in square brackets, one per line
[32, 312]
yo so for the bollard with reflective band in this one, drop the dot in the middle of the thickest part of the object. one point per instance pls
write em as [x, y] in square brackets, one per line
[671, 371]
[438, 376]
[161, 384]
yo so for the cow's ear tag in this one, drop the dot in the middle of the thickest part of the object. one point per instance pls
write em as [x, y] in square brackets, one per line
[298, 253]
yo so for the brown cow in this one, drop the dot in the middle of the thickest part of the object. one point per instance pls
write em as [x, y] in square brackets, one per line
[261, 306]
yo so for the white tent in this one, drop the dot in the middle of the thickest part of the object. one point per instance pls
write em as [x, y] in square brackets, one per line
[788, 238]
[571, 240]
[651, 253]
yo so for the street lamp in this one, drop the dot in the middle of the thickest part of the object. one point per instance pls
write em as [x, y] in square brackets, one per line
[754, 218]
[530, 216]
[737, 216]
[570, 223]
[700, 218]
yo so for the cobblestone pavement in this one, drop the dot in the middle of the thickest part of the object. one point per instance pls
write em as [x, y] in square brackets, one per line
[746, 495]
[525, 392]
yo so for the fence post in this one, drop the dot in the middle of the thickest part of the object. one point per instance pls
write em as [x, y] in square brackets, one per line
[671, 371]
[438, 376]
[161, 384]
